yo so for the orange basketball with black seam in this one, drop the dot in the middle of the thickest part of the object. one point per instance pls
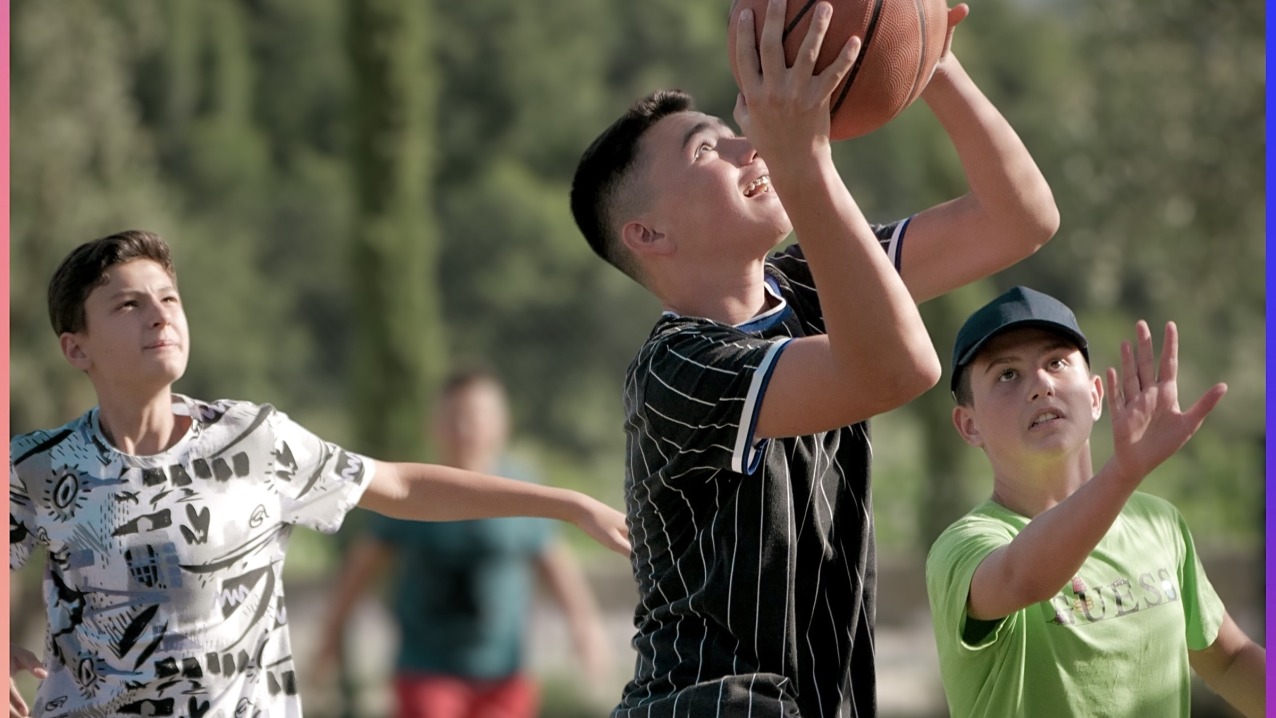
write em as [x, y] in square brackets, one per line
[901, 43]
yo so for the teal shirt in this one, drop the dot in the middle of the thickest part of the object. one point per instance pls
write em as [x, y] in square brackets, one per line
[1113, 642]
[462, 592]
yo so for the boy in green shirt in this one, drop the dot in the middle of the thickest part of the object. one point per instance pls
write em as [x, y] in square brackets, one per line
[1069, 593]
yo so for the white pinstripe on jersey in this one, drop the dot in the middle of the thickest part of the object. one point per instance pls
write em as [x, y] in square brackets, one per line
[754, 559]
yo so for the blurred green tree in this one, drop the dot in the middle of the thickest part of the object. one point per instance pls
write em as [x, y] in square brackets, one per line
[399, 331]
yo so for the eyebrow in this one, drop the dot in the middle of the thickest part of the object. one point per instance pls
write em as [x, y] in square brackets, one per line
[699, 127]
[122, 293]
[1011, 358]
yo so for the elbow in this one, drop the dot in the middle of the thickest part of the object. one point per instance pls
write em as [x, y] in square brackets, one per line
[1029, 590]
[909, 379]
[1039, 224]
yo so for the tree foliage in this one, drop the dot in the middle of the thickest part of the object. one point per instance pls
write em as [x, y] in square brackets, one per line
[332, 183]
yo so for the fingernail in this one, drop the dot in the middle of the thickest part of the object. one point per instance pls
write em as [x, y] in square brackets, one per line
[822, 11]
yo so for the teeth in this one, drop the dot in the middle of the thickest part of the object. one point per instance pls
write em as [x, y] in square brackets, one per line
[759, 185]
[1045, 417]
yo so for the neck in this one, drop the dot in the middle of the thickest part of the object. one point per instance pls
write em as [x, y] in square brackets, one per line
[1032, 488]
[732, 296]
[141, 427]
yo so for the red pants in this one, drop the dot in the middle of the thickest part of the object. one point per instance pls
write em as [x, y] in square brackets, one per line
[433, 696]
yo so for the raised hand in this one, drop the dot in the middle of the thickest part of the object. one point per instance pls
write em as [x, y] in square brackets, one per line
[1147, 424]
[785, 109]
[20, 659]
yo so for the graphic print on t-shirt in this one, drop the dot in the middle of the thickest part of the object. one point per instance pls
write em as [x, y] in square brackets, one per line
[163, 588]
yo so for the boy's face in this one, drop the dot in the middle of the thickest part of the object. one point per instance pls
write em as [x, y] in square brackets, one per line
[135, 334]
[471, 424]
[1032, 396]
[705, 190]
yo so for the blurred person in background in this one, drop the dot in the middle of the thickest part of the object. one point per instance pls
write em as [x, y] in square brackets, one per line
[1070, 592]
[463, 591]
[165, 519]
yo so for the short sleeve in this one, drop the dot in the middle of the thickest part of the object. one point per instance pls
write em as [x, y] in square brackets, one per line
[318, 482]
[21, 520]
[791, 262]
[1202, 607]
[950, 567]
[701, 388]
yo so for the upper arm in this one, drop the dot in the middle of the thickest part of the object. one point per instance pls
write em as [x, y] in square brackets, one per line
[995, 591]
[317, 482]
[385, 488]
[955, 560]
[1214, 660]
[810, 393]
[955, 243]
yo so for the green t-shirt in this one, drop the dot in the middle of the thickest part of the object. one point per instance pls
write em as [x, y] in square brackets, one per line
[463, 590]
[1113, 642]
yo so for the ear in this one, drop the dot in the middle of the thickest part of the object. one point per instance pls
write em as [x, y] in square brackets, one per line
[1096, 397]
[644, 240]
[964, 420]
[73, 350]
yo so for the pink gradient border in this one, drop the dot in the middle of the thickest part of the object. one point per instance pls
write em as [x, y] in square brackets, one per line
[4, 209]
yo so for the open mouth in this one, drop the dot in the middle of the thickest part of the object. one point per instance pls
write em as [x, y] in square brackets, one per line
[1045, 418]
[758, 186]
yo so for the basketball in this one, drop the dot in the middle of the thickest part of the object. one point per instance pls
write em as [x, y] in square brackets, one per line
[901, 41]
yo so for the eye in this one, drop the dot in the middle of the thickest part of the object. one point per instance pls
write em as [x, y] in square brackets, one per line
[704, 147]
[127, 304]
[1058, 364]
[1006, 375]
[171, 299]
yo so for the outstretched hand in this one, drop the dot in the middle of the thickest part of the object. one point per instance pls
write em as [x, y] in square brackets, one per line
[784, 109]
[1147, 424]
[605, 524]
[20, 659]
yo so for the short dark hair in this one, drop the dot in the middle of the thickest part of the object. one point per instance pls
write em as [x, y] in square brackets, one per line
[469, 377]
[84, 269]
[606, 164]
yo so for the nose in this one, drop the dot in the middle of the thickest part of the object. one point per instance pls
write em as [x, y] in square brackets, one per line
[160, 314]
[1042, 384]
[741, 150]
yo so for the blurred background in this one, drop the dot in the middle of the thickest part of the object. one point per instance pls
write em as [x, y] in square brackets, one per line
[364, 194]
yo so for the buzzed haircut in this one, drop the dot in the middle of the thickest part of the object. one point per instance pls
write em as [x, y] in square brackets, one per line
[606, 164]
[84, 269]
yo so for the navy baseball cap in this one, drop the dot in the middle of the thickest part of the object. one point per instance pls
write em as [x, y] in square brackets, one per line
[1018, 307]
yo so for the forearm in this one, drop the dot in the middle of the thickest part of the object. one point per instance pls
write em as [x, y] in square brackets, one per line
[874, 329]
[430, 492]
[1009, 189]
[1050, 550]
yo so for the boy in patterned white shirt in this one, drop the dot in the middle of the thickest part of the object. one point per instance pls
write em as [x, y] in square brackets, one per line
[747, 485]
[165, 518]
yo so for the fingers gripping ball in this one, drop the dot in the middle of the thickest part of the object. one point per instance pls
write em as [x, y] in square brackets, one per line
[901, 43]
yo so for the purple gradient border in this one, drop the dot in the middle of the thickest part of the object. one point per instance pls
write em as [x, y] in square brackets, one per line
[1271, 448]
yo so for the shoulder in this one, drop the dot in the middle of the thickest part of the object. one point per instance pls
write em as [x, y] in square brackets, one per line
[1149, 504]
[984, 528]
[33, 443]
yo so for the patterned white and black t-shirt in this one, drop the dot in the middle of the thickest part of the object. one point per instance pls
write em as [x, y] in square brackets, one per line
[754, 559]
[163, 583]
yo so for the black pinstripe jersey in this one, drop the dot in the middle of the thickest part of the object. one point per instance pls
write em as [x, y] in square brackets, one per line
[754, 559]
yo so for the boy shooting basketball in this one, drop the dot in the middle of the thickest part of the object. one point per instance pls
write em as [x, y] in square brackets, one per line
[1069, 592]
[747, 484]
[165, 518]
